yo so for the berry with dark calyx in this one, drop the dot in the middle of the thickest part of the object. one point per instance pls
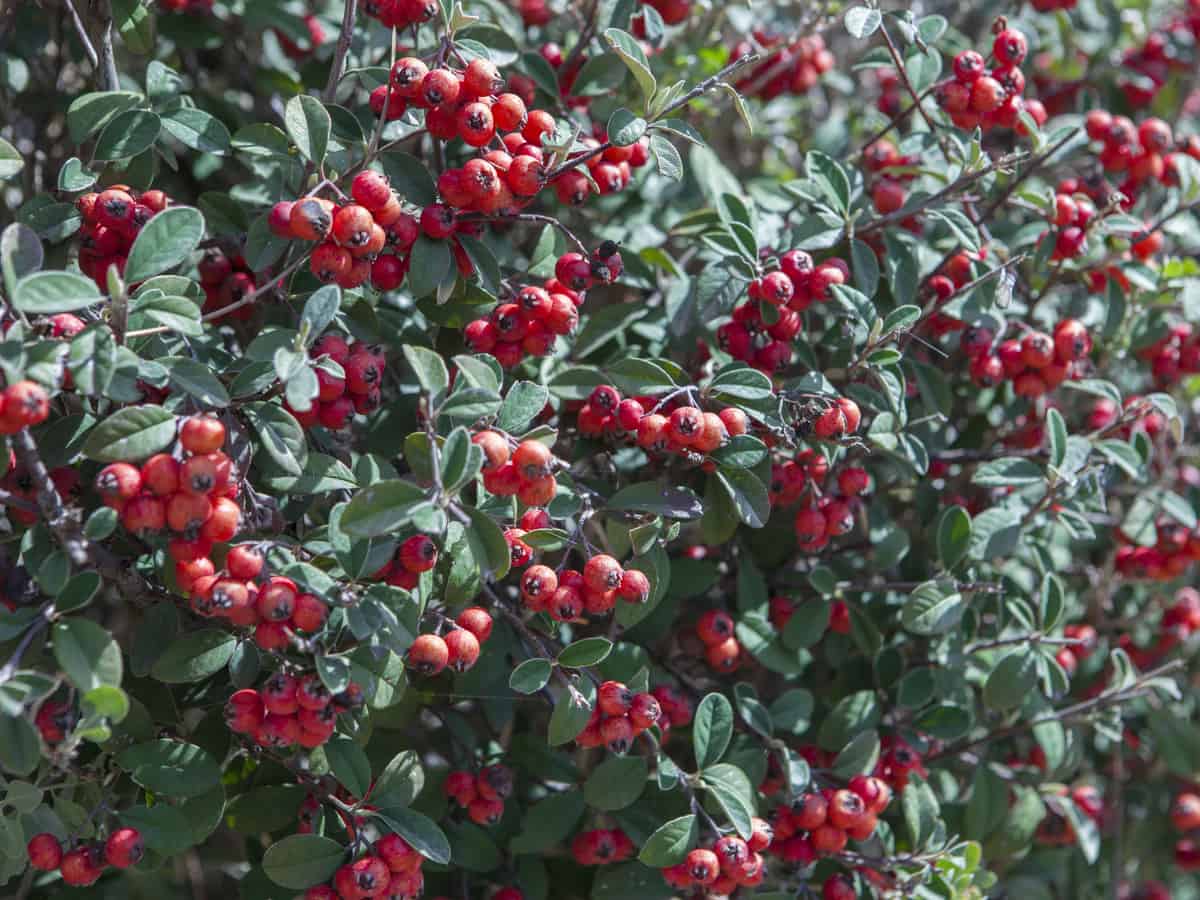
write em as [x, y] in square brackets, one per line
[124, 848]
[428, 654]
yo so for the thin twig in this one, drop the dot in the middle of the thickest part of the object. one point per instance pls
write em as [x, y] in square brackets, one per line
[84, 37]
[345, 38]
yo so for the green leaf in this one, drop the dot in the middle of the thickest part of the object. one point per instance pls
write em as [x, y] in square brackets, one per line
[1011, 680]
[20, 747]
[301, 861]
[44, 293]
[349, 765]
[320, 309]
[920, 812]
[87, 654]
[488, 544]
[953, 536]
[571, 713]
[430, 370]
[545, 822]
[88, 114]
[133, 433]
[859, 756]
[279, 436]
[401, 781]
[436, 263]
[197, 129]
[792, 711]
[421, 832]
[308, 125]
[626, 46]
[748, 493]
[624, 128]
[827, 173]
[530, 676]
[934, 607]
[164, 242]
[659, 499]
[174, 768]
[862, 22]
[616, 783]
[198, 380]
[666, 158]
[523, 403]
[93, 359]
[853, 714]
[588, 651]
[164, 828]
[670, 842]
[382, 508]
[734, 793]
[808, 623]
[129, 134]
[712, 729]
[1011, 471]
[195, 656]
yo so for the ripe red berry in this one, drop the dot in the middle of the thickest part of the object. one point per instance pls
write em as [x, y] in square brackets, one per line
[428, 654]
[45, 852]
[202, 435]
[371, 189]
[968, 65]
[124, 848]
[462, 649]
[1010, 47]
[82, 866]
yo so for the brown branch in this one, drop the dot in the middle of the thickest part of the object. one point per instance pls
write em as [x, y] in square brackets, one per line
[345, 38]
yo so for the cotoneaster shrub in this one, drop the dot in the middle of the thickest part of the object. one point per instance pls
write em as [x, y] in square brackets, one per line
[599, 450]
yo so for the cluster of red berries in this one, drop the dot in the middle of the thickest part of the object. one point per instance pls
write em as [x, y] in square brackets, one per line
[1179, 621]
[977, 98]
[765, 341]
[1173, 552]
[23, 404]
[112, 220]
[481, 794]
[568, 594]
[678, 428]
[892, 170]
[415, 555]
[85, 864]
[351, 385]
[1139, 152]
[526, 472]
[1053, 5]
[1149, 66]
[527, 323]
[1072, 215]
[391, 870]
[618, 717]
[352, 238]
[275, 609]
[822, 518]
[1083, 639]
[822, 822]
[288, 711]
[675, 709]
[600, 846]
[808, 470]
[457, 649]
[401, 14]
[193, 494]
[728, 864]
[788, 67]
[951, 278]
[722, 651]
[1057, 830]
[226, 281]
[898, 761]
[1185, 816]
[891, 94]
[1036, 363]
[1174, 355]
[781, 609]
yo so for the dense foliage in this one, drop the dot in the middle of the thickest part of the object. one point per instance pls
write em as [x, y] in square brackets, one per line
[602, 449]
